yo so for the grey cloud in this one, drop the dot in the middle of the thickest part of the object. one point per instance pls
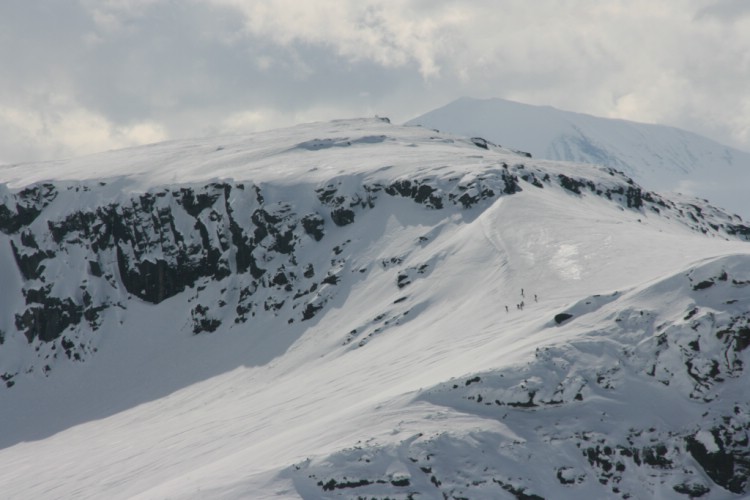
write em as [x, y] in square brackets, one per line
[726, 10]
[98, 74]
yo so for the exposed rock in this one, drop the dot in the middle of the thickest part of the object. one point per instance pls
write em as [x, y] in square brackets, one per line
[313, 225]
[48, 317]
[562, 317]
[342, 216]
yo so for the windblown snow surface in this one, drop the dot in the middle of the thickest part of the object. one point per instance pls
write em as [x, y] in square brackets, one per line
[656, 156]
[359, 310]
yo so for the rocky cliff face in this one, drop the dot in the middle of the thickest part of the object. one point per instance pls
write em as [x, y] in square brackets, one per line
[80, 259]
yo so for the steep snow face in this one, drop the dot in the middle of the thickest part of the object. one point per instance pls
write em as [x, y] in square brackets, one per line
[639, 394]
[362, 310]
[658, 157]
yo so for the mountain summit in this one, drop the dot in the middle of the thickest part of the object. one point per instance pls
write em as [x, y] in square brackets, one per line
[362, 310]
[659, 157]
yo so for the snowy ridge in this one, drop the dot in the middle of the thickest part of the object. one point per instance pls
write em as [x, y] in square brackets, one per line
[333, 311]
[157, 244]
[658, 157]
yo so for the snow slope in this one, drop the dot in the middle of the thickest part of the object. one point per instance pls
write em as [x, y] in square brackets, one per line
[658, 157]
[320, 312]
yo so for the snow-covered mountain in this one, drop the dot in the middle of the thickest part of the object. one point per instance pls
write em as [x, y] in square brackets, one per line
[658, 157]
[361, 310]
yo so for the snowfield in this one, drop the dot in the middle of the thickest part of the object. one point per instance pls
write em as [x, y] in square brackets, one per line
[361, 310]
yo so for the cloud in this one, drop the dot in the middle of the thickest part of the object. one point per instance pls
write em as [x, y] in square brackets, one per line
[390, 33]
[69, 128]
[95, 74]
[726, 11]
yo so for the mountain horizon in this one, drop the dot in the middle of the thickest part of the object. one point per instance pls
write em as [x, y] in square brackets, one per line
[357, 309]
[659, 157]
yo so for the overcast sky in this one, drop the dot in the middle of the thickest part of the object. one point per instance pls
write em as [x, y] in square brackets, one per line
[79, 76]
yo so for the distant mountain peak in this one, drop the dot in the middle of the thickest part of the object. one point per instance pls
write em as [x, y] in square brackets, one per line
[658, 157]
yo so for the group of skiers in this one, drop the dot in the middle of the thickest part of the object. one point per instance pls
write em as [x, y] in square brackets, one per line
[521, 304]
